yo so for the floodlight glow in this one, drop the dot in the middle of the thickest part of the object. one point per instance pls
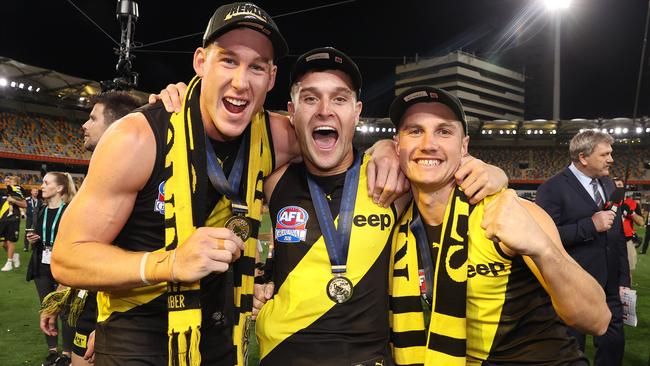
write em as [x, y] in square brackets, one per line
[557, 4]
[3, 82]
[371, 129]
[514, 132]
[30, 88]
[617, 130]
[383, 129]
[21, 85]
[639, 129]
[38, 89]
[500, 132]
[13, 84]
[482, 132]
[528, 132]
[364, 129]
[489, 132]
[625, 130]
[358, 128]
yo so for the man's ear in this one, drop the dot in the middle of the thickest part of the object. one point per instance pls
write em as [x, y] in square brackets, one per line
[292, 110]
[465, 146]
[200, 58]
[273, 73]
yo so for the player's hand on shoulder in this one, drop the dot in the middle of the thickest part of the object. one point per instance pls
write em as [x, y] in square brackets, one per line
[479, 179]
[386, 182]
[171, 96]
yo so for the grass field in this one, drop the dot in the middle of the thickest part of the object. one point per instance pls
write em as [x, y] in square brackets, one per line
[22, 343]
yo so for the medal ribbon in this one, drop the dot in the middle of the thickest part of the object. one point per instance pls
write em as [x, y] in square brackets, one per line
[337, 241]
[425, 263]
[229, 187]
[56, 219]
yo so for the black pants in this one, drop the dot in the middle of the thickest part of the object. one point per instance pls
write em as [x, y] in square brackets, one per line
[45, 284]
[610, 346]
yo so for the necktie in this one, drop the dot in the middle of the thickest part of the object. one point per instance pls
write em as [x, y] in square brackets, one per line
[597, 197]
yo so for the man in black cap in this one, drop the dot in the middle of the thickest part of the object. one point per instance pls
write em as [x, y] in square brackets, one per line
[149, 230]
[493, 274]
[330, 305]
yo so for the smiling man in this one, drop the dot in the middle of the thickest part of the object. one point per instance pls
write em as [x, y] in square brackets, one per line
[150, 231]
[493, 274]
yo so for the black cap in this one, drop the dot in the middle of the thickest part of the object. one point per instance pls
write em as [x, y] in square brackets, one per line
[425, 94]
[326, 58]
[237, 15]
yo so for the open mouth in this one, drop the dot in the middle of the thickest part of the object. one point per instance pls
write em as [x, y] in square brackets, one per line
[325, 137]
[428, 162]
[234, 105]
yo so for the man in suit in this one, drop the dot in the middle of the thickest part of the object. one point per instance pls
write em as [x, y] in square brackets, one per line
[34, 203]
[576, 199]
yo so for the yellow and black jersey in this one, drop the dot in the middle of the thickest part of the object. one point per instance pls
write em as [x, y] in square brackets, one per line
[509, 317]
[134, 322]
[301, 325]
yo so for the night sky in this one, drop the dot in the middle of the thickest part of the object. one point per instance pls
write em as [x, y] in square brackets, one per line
[601, 43]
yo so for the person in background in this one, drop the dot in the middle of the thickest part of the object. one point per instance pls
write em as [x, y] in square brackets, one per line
[34, 203]
[58, 190]
[12, 200]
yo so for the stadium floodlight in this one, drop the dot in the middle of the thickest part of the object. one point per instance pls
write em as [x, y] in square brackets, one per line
[38, 89]
[371, 129]
[639, 129]
[647, 129]
[364, 129]
[3, 82]
[82, 99]
[557, 4]
[625, 130]
[514, 132]
[21, 85]
[383, 129]
[13, 84]
[489, 132]
[30, 88]
[617, 130]
[500, 132]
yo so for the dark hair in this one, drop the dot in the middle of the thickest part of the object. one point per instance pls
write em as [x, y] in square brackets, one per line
[117, 104]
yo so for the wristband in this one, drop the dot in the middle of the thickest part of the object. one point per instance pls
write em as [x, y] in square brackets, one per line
[143, 263]
[159, 267]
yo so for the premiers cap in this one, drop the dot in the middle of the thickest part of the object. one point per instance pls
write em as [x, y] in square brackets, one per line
[326, 58]
[237, 15]
[425, 94]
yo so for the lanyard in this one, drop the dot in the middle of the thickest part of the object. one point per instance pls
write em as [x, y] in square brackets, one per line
[228, 187]
[337, 241]
[56, 219]
[425, 262]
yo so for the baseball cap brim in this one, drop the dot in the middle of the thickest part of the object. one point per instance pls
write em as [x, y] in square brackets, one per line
[326, 58]
[425, 94]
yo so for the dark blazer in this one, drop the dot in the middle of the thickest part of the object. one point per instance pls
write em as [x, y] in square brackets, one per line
[603, 255]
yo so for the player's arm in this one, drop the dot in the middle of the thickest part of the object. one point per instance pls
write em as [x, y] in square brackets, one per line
[525, 229]
[20, 202]
[120, 166]
[479, 179]
[83, 256]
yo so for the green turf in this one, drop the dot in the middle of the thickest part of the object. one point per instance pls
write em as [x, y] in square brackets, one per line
[23, 344]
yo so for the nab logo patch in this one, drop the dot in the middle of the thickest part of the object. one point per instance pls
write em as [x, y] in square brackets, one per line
[159, 205]
[291, 226]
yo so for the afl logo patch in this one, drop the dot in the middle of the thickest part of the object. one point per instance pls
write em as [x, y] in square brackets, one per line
[291, 226]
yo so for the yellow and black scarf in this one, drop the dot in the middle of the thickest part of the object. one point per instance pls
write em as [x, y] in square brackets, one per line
[184, 197]
[5, 207]
[445, 341]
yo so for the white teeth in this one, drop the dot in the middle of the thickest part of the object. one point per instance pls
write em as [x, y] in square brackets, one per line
[237, 102]
[428, 162]
[324, 128]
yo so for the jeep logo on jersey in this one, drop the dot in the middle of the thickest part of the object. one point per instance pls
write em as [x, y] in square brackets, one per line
[381, 220]
[291, 226]
[494, 269]
[159, 205]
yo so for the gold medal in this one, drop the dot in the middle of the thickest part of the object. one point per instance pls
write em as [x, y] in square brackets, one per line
[240, 226]
[339, 289]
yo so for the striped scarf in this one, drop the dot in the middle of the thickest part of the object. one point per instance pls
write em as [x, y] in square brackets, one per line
[185, 196]
[445, 341]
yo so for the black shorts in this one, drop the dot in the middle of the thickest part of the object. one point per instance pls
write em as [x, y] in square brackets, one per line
[85, 325]
[9, 229]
